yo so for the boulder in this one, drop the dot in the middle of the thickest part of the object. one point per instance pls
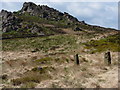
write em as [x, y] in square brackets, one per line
[77, 29]
[28, 7]
[35, 30]
[5, 14]
[9, 21]
[4, 76]
[70, 17]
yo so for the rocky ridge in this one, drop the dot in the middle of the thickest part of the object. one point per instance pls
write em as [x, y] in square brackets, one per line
[32, 18]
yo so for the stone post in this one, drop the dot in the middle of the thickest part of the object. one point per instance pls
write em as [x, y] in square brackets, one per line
[107, 58]
[77, 59]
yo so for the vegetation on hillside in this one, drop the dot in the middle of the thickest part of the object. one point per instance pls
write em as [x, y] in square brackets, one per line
[61, 41]
[40, 43]
[110, 43]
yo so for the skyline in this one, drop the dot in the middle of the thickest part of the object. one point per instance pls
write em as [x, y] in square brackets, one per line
[103, 14]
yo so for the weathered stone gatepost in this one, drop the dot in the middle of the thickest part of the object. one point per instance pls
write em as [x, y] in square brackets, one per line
[107, 58]
[77, 59]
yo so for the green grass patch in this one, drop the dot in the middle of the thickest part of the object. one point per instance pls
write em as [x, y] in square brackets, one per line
[109, 43]
[41, 43]
[42, 70]
[43, 60]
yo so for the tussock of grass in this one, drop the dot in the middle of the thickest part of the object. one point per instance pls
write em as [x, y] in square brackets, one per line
[29, 85]
[36, 75]
[49, 60]
[42, 70]
[25, 79]
[43, 60]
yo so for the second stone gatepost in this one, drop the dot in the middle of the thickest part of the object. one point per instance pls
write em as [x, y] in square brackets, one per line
[77, 59]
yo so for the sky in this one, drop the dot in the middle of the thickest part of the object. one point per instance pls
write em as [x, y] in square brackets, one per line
[95, 13]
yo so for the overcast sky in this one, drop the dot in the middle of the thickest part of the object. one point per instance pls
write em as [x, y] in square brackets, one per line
[94, 13]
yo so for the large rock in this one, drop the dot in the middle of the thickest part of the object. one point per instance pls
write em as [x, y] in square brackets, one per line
[9, 21]
[77, 29]
[35, 30]
[70, 17]
[5, 14]
[30, 8]
[44, 11]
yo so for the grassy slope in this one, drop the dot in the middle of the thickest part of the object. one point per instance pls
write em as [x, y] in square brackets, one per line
[63, 64]
[57, 41]
[110, 43]
[41, 43]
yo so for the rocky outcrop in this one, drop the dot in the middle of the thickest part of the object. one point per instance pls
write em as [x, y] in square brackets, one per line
[70, 18]
[9, 21]
[44, 11]
[31, 18]
[5, 14]
[77, 29]
[30, 8]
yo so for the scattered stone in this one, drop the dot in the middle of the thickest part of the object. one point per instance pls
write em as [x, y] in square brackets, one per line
[35, 50]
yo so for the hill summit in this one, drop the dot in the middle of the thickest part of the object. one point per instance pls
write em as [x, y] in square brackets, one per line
[40, 20]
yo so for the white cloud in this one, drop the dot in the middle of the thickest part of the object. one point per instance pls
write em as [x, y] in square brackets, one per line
[95, 5]
[103, 14]
[10, 6]
[112, 9]
[83, 9]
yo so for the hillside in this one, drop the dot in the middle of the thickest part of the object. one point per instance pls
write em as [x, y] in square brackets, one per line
[39, 20]
[39, 44]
